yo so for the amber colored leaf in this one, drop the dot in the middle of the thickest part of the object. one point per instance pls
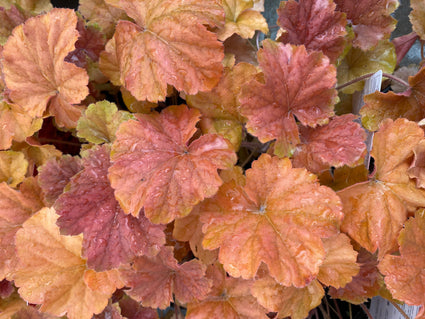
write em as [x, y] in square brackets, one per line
[241, 19]
[35, 71]
[408, 104]
[417, 168]
[339, 266]
[416, 17]
[154, 280]
[338, 143]
[404, 274]
[109, 62]
[287, 301]
[229, 298]
[156, 167]
[102, 14]
[13, 167]
[370, 19]
[357, 63]
[58, 286]
[132, 309]
[374, 211]
[30, 312]
[55, 175]
[266, 221]
[9, 306]
[344, 177]
[100, 121]
[188, 58]
[189, 229]
[365, 285]
[297, 83]
[105, 282]
[36, 153]
[315, 24]
[16, 206]
[15, 125]
[10, 18]
[88, 206]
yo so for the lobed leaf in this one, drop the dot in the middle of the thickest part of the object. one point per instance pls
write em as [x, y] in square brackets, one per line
[88, 206]
[100, 121]
[229, 298]
[408, 104]
[51, 272]
[35, 71]
[416, 17]
[371, 20]
[338, 143]
[158, 167]
[13, 167]
[404, 274]
[315, 24]
[154, 280]
[242, 19]
[278, 218]
[168, 44]
[297, 83]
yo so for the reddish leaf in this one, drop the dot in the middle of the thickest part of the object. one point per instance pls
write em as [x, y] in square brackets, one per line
[110, 312]
[229, 298]
[338, 143]
[88, 206]
[6, 288]
[10, 18]
[365, 285]
[189, 57]
[35, 71]
[132, 309]
[314, 23]
[298, 84]
[55, 175]
[409, 104]
[278, 218]
[405, 274]
[371, 20]
[15, 208]
[157, 167]
[154, 280]
[403, 44]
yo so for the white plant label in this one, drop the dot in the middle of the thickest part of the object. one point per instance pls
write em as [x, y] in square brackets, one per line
[381, 308]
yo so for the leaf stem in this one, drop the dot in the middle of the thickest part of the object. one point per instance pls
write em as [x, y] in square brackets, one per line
[368, 75]
[369, 315]
[399, 309]
[323, 311]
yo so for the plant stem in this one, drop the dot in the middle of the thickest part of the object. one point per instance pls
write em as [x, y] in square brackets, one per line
[399, 309]
[363, 77]
[369, 315]
[422, 49]
[323, 311]
[338, 312]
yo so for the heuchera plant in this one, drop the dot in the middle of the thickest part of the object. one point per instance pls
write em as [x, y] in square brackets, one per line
[155, 154]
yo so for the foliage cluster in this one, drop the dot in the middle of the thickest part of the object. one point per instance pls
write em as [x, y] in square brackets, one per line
[156, 153]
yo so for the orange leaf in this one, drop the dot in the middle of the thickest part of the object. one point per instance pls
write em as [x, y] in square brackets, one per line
[314, 23]
[374, 211]
[371, 20]
[416, 17]
[278, 218]
[405, 274]
[298, 84]
[408, 104]
[288, 301]
[51, 271]
[35, 71]
[157, 167]
[154, 280]
[417, 168]
[365, 285]
[229, 298]
[339, 266]
[15, 208]
[188, 57]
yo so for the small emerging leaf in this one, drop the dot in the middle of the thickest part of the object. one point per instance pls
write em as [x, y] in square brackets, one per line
[100, 121]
